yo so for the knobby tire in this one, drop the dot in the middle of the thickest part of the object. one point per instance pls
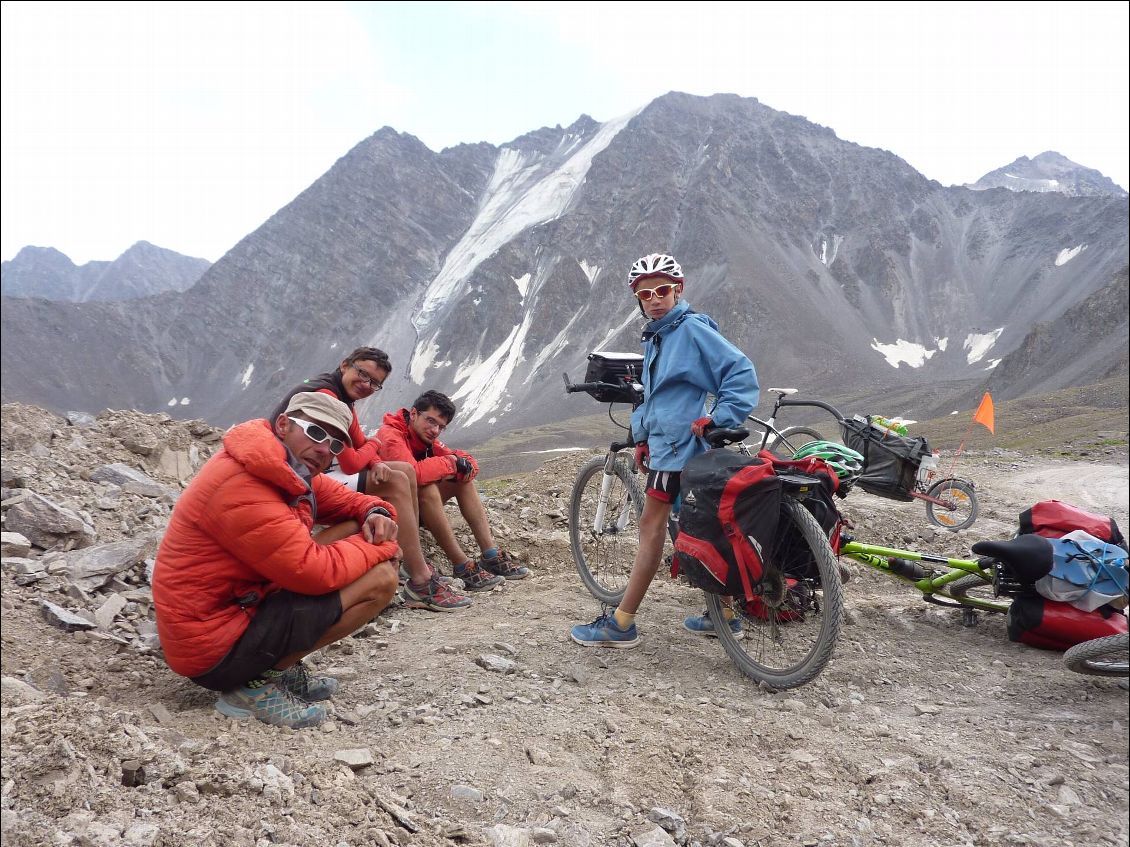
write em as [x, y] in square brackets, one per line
[604, 555]
[779, 649]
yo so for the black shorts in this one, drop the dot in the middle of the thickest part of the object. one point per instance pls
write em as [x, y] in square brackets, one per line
[664, 485]
[284, 623]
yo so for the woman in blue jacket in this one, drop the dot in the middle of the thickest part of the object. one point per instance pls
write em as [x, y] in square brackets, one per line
[686, 358]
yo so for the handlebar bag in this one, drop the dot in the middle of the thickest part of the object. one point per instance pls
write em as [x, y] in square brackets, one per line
[728, 522]
[618, 369]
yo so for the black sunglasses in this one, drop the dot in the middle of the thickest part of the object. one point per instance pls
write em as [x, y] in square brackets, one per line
[318, 435]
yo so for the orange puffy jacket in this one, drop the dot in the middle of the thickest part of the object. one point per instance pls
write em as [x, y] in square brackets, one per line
[398, 443]
[242, 528]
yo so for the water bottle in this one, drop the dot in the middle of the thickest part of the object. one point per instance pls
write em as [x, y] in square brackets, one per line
[927, 468]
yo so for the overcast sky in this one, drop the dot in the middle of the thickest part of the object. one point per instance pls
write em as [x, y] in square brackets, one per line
[188, 125]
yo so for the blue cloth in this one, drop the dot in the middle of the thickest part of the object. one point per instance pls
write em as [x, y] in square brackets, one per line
[685, 359]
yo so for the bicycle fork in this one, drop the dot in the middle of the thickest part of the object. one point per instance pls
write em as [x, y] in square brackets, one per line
[624, 516]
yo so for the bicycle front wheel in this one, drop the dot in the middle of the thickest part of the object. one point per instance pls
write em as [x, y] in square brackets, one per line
[790, 629]
[959, 504]
[604, 540]
[792, 439]
[1108, 656]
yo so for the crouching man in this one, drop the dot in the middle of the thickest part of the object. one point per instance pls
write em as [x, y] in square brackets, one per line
[241, 588]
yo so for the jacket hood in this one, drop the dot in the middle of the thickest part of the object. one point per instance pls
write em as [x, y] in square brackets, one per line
[255, 446]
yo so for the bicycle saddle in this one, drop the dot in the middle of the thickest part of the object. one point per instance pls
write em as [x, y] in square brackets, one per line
[722, 437]
[1028, 557]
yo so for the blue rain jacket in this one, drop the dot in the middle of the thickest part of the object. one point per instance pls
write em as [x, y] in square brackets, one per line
[686, 358]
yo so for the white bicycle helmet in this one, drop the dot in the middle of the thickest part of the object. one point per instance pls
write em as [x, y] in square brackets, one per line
[655, 264]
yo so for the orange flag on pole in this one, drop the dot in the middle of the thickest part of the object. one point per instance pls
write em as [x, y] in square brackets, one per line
[984, 413]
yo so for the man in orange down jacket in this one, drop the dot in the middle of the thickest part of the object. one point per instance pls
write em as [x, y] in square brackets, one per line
[241, 588]
[412, 435]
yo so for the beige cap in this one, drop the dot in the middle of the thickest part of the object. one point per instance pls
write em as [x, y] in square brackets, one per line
[321, 407]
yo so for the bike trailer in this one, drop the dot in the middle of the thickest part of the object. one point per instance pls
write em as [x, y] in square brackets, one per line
[727, 522]
[618, 368]
[1052, 625]
[890, 461]
[1054, 519]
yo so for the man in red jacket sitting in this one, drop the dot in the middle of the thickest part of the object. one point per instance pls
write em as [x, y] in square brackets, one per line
[412, 435]
[241, 588]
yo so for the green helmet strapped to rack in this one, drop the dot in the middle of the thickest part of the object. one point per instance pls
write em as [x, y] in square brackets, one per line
[845, 462]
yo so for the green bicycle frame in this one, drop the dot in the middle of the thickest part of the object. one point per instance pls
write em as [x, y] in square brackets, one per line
[879, 558]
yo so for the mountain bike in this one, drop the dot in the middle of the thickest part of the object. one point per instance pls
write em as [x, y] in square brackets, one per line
[789, 629]
[951, 502]
[971, 585]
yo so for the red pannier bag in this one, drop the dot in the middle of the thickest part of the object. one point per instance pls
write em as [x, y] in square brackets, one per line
[1054, 519]
[1051, 625]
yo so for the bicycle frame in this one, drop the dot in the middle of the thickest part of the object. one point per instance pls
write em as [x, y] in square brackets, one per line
[932, 584]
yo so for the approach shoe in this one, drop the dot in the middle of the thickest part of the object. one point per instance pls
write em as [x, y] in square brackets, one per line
[475, 578]
[605, 632]
[505, 566]
[703, 625]
[455, 584]
[272, 705]
[297, 680]
[435, 596]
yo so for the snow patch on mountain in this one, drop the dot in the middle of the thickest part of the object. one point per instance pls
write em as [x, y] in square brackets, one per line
[590, 271]
[422, 359]
[978, 344]
[900, 351]
[486, 384]
[942, 343]
[245, 380]
[1068, 253]
[523, 283]
[520, 195]
[825, 257]
[634, 315]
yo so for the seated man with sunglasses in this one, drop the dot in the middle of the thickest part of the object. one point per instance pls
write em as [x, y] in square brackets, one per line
[360, 467]
[243, 591]
[412, 436]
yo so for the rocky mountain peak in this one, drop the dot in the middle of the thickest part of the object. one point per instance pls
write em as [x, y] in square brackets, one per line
[1050, 171]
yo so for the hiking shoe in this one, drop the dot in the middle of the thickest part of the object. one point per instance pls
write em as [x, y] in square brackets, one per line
[271, 705]
[296, 680]
[435, 596]
[475, 578]
[604, 632]
[703, 625]
[505, 566]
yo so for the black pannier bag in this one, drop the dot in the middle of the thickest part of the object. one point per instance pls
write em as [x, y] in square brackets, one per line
[621, 369]
[731, 505]
[813, 483]
[890, 461]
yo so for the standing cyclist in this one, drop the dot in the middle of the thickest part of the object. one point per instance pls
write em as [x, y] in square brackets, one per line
[685, 359]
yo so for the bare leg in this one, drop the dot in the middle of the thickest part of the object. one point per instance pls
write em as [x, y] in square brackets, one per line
[409, 472]
[361, 601]
[471, 507]
[653, 529]
[432, 516]
[398, 491]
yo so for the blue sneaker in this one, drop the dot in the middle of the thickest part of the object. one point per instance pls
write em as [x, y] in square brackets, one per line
[703, 625]
[270, 704]
[603, 632]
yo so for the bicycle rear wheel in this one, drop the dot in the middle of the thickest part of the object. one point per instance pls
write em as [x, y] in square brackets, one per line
[792, 439]
[790, 628]
[1108, 656]
[960, 504]
[604, 552]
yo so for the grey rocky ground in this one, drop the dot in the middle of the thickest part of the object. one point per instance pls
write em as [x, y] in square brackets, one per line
[489, 727]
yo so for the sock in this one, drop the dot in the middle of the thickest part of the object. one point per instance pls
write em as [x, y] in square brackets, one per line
[727, 613]
[269, 675]
[464, 567]
[490, 553]
[623, 619]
